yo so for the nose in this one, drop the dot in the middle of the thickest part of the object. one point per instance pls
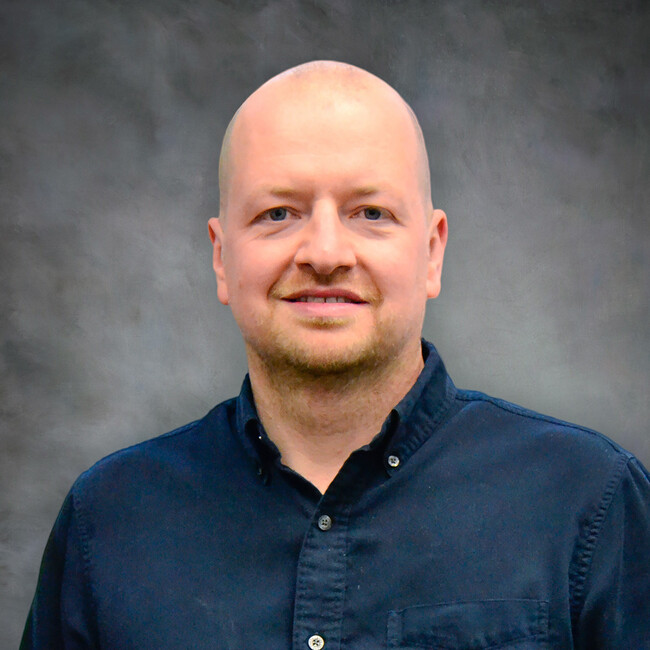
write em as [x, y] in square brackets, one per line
[326, 242]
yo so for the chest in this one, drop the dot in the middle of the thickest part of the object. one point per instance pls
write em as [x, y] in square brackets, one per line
[414, 564]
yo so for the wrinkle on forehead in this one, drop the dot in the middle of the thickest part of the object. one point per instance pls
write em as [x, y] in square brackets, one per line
[330, 82]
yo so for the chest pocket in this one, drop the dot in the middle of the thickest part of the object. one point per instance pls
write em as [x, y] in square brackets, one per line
[476, 625]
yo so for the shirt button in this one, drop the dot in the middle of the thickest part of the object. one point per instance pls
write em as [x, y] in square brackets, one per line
[393, 461]
[316, 642]
[324, 523]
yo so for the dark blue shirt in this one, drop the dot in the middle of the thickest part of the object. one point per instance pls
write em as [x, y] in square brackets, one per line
[468, 522]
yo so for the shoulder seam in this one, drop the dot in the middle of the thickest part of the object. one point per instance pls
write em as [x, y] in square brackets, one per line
[179, 430]
[475, 396]
[119, 452]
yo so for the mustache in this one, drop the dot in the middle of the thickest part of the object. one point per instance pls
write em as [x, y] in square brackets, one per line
[292, 290]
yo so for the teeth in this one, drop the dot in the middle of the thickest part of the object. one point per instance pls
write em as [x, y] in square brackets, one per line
[322, 299]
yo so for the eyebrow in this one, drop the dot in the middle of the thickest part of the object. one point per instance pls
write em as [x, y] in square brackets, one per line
[283, 192]
[289, 193]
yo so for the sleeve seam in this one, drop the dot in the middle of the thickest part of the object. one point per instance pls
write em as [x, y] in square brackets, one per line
[82, 529]
[588, 541]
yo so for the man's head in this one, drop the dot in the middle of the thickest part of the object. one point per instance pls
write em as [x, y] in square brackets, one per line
[327, 245]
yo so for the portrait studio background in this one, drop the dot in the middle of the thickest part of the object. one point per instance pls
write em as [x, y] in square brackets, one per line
[111, 117]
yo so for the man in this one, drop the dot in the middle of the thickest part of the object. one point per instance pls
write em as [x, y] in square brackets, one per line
[351, 496]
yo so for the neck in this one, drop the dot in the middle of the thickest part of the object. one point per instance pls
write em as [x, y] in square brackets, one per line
[318, 421]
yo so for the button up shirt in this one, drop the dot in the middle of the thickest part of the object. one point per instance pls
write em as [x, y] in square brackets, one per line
[467, 522]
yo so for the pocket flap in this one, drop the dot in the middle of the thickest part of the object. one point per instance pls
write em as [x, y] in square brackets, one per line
[468, 625]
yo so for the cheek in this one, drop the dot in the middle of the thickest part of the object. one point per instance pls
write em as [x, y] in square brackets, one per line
[252, 271]
[402, 270]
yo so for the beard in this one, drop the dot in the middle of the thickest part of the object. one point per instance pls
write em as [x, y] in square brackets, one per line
[327, 352]
[299, 357]
[291, 348]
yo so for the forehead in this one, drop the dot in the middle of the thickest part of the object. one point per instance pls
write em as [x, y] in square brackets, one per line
[360, 138]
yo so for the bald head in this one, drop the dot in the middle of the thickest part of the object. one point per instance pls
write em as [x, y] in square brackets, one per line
[321, 87]
[325, 187]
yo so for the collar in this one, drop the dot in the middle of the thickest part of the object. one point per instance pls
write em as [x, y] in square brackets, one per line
[420, 412]
[405, 429]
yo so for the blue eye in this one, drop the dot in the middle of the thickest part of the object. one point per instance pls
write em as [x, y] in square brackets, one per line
[278, 214]
[372, 214]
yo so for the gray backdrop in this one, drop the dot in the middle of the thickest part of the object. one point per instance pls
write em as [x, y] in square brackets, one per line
[536, 118]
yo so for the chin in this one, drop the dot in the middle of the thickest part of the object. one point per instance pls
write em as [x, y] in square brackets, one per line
[326, 355]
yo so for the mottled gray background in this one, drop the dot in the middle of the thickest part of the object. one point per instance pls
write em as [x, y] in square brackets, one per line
[536, 117]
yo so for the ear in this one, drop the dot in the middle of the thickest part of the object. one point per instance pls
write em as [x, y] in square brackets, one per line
[216, 237]
[437, 237]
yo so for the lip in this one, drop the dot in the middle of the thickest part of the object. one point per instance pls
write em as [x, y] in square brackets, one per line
[311, 303]
[342, 297]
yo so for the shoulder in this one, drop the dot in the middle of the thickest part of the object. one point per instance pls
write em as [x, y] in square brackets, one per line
[560, 472]
[517, 424]
[540, 452]
[186, 451]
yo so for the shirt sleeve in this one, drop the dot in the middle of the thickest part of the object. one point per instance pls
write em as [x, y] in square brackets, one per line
[61, 615]
[616, 608]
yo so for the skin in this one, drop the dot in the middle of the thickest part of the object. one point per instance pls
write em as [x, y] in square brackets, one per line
[325, 196]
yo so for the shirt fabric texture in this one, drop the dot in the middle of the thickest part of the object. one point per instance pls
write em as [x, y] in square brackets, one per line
[467, 523]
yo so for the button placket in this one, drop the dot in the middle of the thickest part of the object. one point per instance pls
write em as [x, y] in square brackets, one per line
[323, 562]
